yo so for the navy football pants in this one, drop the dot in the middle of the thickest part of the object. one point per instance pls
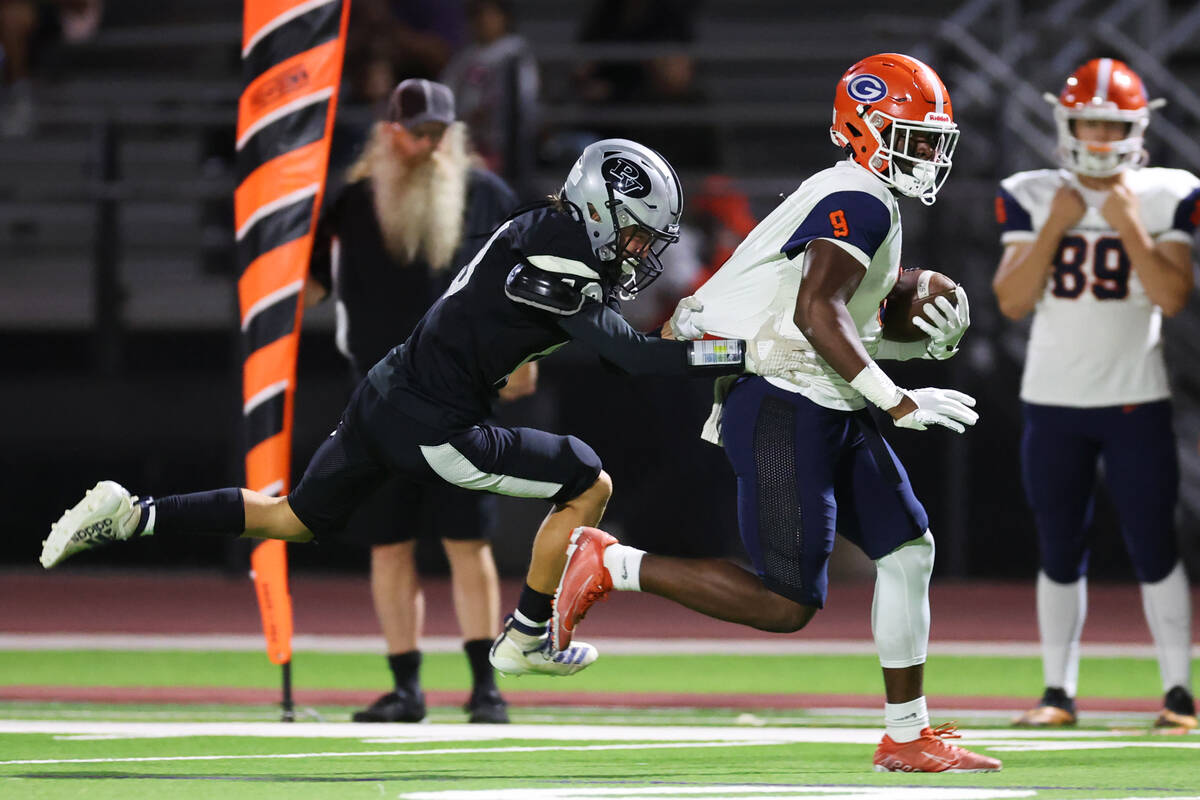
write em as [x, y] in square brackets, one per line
[1060, 451]
[805, 472]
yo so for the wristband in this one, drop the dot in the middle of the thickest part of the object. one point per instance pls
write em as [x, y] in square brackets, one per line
[874, 384]
[716, 352]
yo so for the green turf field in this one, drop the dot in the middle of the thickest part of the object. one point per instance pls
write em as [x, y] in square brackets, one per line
[567, 759]
[767, 674]
[562, 752]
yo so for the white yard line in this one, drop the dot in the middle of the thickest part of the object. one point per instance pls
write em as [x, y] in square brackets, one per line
[478, 737]
[751, 792]
[442, 732]
[361, 753]
[610, 646]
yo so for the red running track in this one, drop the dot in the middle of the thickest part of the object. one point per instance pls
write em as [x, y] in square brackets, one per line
[199, 603]
[189, 602]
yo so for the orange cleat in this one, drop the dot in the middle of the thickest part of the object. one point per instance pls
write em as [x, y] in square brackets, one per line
[931, 753]
[584, 581]
[1055, 710]
[1179, 710]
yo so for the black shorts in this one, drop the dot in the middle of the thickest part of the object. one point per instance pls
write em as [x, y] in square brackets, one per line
[401, 510]
[374, 441]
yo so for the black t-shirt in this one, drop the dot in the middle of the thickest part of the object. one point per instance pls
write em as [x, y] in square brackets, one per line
[382, 298]
[461, 353]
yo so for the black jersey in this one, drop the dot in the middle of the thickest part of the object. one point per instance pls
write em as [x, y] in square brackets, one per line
[488, 323]
[383, 299]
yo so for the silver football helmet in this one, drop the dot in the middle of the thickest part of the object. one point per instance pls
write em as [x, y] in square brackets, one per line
[621, 186]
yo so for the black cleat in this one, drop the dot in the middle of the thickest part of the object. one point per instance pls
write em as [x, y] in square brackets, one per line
[487, 706]
[398, 706]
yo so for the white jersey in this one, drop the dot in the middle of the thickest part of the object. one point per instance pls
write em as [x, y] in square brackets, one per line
[1096, 338]
[844, 204]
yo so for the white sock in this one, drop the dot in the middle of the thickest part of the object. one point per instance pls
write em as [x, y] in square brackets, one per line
[1168, 606]
[527, 622]
[624, 564]
[1061, 609]
[905, 721]
[900, 608]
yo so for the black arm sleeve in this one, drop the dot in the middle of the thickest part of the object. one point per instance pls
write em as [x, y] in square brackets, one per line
[607, 332]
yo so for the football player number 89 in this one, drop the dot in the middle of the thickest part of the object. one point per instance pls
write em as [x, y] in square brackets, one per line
[1109, 268]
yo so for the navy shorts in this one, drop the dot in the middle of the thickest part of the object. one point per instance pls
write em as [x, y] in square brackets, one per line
[805, 472]
[1060, 451]
[374, 440]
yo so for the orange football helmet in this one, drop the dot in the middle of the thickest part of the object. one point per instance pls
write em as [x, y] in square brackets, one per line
[892, 115]
[1102, 89]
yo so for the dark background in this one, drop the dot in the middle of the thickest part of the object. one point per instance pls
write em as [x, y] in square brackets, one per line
[118, 312]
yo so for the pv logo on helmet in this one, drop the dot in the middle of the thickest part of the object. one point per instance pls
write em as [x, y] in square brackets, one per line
[626, 177]
[866, 88]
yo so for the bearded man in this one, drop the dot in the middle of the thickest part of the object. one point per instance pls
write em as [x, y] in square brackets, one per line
[416, 207]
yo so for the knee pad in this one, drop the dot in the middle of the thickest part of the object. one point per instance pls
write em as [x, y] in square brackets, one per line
[900, 611]
[913, 558]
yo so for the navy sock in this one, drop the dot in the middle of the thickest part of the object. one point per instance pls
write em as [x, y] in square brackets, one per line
[221, 512]
[534, 605]
[482, 676]
[406, 670]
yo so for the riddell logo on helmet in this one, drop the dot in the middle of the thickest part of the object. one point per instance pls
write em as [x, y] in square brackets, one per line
[933, 116]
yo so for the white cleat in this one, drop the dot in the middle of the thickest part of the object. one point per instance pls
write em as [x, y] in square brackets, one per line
[105, 514]
[516, 653]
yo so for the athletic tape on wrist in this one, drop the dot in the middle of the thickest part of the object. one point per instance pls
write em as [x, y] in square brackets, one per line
[716, 352]
[874, 384]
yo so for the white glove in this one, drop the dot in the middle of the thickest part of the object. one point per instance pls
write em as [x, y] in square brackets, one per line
[944, 407]
[683, 321]
[949, 322]
[775, 356]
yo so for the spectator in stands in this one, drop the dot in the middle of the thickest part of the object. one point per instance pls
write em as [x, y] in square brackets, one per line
[495, 81]
[626, 21]
[722, 213]
[389, 40]
[26, 26]
[665, 82]
[414, 210]
[18, 20]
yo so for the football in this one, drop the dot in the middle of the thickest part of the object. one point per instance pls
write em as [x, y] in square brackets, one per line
[914, 289]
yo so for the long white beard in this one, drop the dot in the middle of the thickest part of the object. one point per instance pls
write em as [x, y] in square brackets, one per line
[421, 207]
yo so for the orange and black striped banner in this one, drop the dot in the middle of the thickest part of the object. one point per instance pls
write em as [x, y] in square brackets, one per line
[292, 54]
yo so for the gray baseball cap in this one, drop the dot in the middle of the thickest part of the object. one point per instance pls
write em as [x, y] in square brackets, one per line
[417, 100]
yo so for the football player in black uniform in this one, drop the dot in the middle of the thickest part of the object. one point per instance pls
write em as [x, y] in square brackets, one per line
[551, 274]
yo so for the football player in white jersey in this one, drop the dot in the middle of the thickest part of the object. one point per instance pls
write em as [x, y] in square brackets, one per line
[808, 456]
[1098, 251]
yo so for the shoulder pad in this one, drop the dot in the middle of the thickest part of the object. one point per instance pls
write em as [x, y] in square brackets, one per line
[556, 292]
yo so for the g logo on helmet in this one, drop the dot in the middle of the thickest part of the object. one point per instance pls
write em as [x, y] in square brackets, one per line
[626, 177]
[866, 88]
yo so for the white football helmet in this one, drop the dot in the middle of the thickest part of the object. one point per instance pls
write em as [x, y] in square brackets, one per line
[618, 184]
[1102, 89]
